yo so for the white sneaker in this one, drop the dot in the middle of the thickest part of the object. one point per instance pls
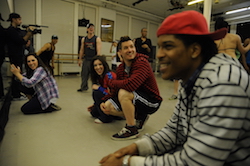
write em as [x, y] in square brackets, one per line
[98, 121]
[20, 98]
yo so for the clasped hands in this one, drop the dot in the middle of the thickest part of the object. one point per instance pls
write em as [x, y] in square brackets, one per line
[115, 159]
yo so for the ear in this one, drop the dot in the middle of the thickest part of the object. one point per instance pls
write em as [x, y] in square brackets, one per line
[195, 50]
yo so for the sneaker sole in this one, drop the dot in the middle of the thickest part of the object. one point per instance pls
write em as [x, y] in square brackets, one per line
[127, 138]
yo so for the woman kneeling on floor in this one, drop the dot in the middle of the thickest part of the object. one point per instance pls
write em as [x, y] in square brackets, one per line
[38, 85]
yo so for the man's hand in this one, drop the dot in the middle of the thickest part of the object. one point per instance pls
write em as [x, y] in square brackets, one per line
[144, 46]
[31, 29]
[79, 62]
[115, 159]
[111, 160]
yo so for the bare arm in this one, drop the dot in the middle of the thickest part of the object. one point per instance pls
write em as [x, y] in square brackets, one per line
[81, 52]
[98, 45]
[29, 33]
[240, 47]
[46, 46]
[52, 60]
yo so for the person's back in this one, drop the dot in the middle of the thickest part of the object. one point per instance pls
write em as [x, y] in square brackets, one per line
[228, 44]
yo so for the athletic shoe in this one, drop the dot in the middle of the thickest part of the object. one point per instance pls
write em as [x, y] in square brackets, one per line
[55, 107]
[20, 98]
[81, 90]
[98, 121]
[173, 97]
[141, 123]
[126, 133]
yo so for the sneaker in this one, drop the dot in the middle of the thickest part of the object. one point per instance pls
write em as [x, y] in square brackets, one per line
[98, 121]
[141, 123]
[55, 107]
[20, 98]
[126, 133]
[173, 97]
[81, 90]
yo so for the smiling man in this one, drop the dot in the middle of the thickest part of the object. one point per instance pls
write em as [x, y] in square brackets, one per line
[136, 92]
[211, 121]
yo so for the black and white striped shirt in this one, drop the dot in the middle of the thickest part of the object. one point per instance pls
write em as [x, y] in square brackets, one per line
[213, 121]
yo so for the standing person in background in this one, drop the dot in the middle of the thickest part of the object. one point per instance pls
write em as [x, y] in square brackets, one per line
[2, 54]
[90, 47]
[211, 121]
[38, 84]
[247, 42]
[143, 44]
[100, 75]
[113, 52]
[15, 44]
[46, 53]
[230, 43]
[28, 48]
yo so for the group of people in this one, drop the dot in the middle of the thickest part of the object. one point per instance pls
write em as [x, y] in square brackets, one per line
[35, 80]
[211, 121]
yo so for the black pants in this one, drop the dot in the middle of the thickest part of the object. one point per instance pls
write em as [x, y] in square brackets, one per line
[97, 112]
[15, 86]
[33, 106]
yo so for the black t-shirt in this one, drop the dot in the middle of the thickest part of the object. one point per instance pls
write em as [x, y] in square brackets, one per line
[15, 44]
[138, 44]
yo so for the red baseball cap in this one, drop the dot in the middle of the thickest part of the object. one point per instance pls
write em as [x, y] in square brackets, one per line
[190, 23]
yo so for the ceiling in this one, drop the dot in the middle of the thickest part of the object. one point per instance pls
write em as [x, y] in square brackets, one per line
[159, 9]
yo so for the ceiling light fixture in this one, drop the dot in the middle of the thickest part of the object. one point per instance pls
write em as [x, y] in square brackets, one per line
[237, 10]
[195, 1]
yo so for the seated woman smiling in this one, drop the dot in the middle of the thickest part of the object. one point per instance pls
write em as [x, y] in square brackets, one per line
[38, 84]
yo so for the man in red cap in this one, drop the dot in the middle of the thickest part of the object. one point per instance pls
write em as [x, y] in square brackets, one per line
[211, 121]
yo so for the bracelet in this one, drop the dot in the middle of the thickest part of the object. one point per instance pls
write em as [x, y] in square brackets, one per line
[125, 160]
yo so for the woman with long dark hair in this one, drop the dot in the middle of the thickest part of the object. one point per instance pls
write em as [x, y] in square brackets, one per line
[100, 75]
[38, 84]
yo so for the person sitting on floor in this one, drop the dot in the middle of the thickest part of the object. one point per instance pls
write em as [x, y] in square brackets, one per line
[100, 75]
[38, 85]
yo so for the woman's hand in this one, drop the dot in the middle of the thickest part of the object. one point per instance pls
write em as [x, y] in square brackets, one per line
[15, 70]
[95, 87]
[104, 109]
[90, 108]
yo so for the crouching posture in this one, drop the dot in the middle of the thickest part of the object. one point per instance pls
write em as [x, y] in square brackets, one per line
[136, 94]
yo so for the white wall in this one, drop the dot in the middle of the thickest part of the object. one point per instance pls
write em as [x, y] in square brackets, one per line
[60, 23]
[121, 22]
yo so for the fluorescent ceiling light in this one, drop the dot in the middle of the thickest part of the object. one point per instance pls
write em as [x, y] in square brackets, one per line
[195, 1]
[237, 10]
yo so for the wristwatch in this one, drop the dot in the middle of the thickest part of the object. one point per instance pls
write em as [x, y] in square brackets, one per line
[125, 160]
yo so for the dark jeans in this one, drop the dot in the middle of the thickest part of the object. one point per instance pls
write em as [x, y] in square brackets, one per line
[97, 112]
